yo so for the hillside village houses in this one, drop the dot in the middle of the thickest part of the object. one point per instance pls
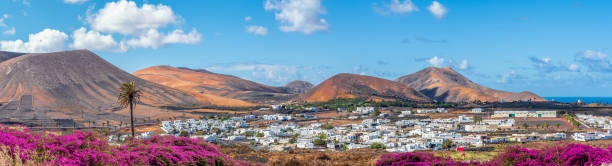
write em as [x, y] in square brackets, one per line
[364, 110]
[596, 121]
[401, 135]
[426, 111]
[521, 114]
[477, 110]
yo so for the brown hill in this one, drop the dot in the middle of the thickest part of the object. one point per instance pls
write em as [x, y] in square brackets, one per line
[445, 84]
[64, 84]
[298, 86]
[208, 83]
[353, 86]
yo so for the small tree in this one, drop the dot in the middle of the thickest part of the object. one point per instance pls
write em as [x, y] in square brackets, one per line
[525, 125]
[184, 134]
[537, 125]
[377, 145]
[447, 144]
[477, 119]
[557, 125]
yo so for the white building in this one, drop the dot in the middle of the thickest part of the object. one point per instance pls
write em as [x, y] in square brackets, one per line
[477, 110]
[500, 122]
[364, 110]
[426, 111]
[478, 128]
[511, 114]
[584, 136]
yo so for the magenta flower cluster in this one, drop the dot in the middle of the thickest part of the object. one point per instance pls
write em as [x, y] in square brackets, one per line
[418, 158]
[560, 155]
[89, 148]
[566, 155]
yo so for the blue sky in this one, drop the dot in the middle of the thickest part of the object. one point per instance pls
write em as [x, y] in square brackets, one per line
[552, 48]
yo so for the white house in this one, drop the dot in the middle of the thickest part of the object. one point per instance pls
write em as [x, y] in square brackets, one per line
[536, 114]
[364, 110]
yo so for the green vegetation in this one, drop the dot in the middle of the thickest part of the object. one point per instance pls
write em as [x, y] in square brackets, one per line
[327, 126]
[377, 145]
[447, 144]
[477, 119]
[571, 119]
[184, 134]
[352, 103]
[321, 140]
[128, 96]
[249, 133]
[213, 107]
[525, 125]
[259, 135]
[294, 138]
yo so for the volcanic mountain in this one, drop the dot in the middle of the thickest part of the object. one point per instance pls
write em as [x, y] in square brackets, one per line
[72, 82]
[360, 86]
[298, 86]
[199, 81]
[445, 84]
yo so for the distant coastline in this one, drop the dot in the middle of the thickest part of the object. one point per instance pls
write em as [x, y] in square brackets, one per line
[588, 100]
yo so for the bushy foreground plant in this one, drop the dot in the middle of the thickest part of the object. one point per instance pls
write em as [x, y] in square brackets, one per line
[19, 145]
[559, 155]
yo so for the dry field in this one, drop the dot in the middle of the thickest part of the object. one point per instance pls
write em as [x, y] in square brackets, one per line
[358, 157]
[563, 123]
[303, 157]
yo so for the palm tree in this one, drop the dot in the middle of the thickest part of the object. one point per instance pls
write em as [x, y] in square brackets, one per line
[128, 96]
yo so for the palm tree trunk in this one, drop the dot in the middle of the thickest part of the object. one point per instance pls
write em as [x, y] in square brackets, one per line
[132, 116]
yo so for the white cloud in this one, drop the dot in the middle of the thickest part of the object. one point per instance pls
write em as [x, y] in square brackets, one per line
[48, 40]
[435, 61]
[573, 67]
[437, 9]
[257, 30]
[141, 24]
[75, 1]
[545, 64]
[272, 74]
[126, 18]
[508, 77]
[463, 65]
[154, 39]
[402, 7]
[299, 15]
[83, 39]
[4, 16]
[595, 60]
[9, 31]
[248, 18]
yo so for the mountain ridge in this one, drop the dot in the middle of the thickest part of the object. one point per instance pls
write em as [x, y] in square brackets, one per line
[445, 84]
[347, 85]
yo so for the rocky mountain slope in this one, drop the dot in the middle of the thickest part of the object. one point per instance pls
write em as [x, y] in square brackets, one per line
[445, 84]
[353, 86]
[298, 86]
[63, 84]
[209, 83]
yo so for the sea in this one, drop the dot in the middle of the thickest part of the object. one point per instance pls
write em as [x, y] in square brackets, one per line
[588, 100]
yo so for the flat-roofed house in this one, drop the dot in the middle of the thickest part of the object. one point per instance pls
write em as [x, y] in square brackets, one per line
[521, 114]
